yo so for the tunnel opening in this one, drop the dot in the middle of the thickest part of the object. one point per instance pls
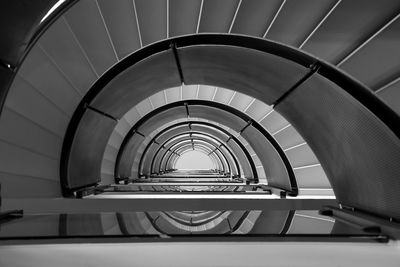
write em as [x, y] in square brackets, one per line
[193, 160]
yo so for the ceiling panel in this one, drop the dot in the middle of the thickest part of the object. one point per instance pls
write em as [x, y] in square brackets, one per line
[110, 153]
[255, 16]
[223, 95]
[173, 94]
[22, 132]
[144, 107]
[273, 122]
[122, 127]
[297, 19]
[217, 16]
[132, 116]
[288, 138]
[183, 16]
[158, 99]
[391, 95]
[257, 110]
[35, 165]
[45, 77]
[348, 26]
[240, 101]
[28, 102]
[116, 139]
[378, 61]
[313, 177]
[60, 44]
[92, 34]
[152, 16]
[301, 156]
[120, 19]
[189, 91]
[217, 115]
[206, 92]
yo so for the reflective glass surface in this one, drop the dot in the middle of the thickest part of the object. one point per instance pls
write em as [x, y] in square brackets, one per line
[277, 224]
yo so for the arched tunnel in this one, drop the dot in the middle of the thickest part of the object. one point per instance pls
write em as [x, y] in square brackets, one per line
[288, 111]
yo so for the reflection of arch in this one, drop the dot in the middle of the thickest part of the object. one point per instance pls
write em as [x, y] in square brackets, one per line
[278, 170]
[276, 222]
[246, 161]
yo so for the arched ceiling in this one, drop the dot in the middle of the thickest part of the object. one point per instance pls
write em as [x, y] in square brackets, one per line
[141, 136]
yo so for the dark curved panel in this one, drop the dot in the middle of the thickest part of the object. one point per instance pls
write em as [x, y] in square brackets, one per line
[217, 115]
[274, 170]
[83, 164]
[154, 122]
[359, 154]
[138, 82]
[129, 153]
[241, 69]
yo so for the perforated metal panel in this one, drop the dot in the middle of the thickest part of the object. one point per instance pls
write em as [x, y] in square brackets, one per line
[87, 152]
[274, 167]
[360, 155]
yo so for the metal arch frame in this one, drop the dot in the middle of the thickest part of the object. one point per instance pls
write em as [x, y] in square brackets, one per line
[223, 146]
[203, 123]
[164, 144]
[355, 89]
[186, 131]
[234, 163]
[229, 109]
[172, 150]
[216, 149]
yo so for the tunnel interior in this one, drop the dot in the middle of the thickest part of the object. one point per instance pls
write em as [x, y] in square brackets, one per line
[211, 128]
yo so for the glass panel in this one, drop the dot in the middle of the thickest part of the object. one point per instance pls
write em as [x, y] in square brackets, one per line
[281, 224]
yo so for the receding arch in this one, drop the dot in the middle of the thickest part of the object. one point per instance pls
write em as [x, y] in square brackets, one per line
[245, 159]
[175, 140]
[331, 110]
[278, 170]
